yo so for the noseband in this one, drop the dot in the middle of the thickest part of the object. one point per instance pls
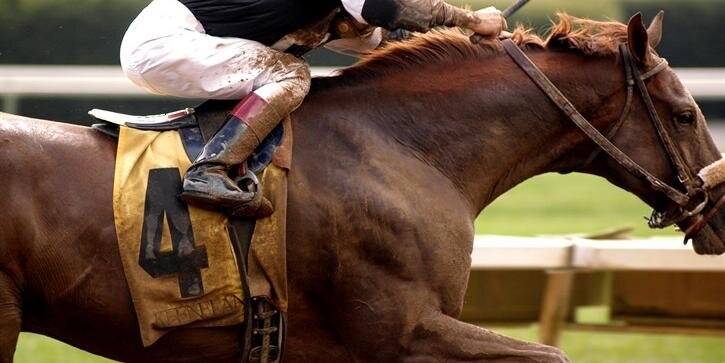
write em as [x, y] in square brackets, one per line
[689, 204]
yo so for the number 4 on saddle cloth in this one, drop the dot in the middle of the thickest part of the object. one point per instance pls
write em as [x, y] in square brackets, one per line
[192, 267]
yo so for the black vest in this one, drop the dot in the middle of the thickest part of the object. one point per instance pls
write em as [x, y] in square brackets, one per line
[265, 21]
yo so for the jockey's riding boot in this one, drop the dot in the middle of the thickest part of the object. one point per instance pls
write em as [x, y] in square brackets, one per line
[207, 182]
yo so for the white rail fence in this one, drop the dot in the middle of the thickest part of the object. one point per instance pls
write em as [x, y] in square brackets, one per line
[108, 81]
[17, 82]
[546, 253]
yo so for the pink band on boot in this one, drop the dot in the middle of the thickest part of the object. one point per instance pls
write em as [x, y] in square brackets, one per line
[249, 107]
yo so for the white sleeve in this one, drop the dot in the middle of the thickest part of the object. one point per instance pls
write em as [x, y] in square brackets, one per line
[355, 8]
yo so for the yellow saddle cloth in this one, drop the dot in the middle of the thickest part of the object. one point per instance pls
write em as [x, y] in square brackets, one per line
[178, 260]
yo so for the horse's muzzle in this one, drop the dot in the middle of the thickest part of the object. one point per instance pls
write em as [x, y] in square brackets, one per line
[713, 174]
[707, 226]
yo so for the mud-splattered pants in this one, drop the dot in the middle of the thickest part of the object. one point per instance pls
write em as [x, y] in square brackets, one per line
[166, 51]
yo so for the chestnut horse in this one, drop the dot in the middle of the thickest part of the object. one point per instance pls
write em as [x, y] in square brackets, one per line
[393, 161]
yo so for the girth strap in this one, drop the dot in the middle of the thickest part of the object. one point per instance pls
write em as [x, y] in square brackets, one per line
[528, 66]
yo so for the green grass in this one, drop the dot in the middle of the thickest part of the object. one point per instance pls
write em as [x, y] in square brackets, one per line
[34, 348]
[591, 347]
[564, 204]
[582, 347]
[549, 204]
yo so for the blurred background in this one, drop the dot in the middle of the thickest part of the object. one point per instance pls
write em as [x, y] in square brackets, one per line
[89, 32]
[83, 37]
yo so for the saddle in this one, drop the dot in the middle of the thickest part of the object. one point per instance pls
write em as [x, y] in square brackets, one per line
[195, 125]
[264, 326]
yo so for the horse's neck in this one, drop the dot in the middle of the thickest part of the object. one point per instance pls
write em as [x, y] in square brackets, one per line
[485, 128]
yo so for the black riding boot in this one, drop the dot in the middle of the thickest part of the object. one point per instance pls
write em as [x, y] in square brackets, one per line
[207, 182]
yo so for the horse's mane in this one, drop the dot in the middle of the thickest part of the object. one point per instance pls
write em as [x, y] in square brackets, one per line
[451, 47]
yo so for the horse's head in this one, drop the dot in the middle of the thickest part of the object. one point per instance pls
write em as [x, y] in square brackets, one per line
[438, 87]
[664, 132]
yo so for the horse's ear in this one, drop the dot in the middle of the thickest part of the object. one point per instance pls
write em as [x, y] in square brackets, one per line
[655, 30]
[637, 38]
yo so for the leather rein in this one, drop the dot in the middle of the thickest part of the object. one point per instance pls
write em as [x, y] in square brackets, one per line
[693, 201]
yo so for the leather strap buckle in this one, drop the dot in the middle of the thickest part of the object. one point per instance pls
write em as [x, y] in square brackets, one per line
[267, 332]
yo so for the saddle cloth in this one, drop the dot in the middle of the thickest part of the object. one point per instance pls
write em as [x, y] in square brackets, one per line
[178, 260]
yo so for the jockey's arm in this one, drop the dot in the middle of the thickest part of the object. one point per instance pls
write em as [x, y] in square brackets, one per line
[423, 15]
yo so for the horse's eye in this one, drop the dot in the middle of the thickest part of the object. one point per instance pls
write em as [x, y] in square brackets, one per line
[687, 118]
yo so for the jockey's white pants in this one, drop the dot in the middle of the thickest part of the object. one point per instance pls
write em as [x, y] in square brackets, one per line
[167, 52]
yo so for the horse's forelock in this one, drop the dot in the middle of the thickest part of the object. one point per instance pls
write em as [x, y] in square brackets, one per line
[588, 36]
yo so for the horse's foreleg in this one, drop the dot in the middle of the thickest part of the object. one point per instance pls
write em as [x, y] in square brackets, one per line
[10, 318]
[441, 338]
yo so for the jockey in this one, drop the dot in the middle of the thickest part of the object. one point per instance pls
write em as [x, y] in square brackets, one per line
[243, 50]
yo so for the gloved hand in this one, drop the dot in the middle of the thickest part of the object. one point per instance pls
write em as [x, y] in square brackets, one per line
[489, 22]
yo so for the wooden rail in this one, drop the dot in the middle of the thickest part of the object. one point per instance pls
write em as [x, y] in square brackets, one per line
[562, 259]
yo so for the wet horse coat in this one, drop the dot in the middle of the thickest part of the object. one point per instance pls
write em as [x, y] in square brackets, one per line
[393, 161]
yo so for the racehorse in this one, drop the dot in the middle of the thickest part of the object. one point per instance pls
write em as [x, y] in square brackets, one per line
[393, 160]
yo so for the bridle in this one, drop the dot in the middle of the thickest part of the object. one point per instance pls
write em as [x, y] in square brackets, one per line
[693, 201]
